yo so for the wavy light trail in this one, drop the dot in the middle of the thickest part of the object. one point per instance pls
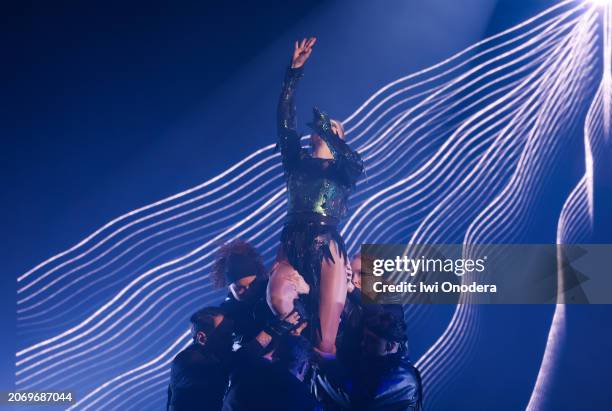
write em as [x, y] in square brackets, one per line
[486, 117]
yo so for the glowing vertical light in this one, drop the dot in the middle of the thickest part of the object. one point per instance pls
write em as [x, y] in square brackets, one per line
[606, 81]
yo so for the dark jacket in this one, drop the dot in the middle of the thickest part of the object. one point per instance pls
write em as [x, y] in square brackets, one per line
[249, 315]
[262, 385]
[389, 383]
[199, 378]
[357, 307]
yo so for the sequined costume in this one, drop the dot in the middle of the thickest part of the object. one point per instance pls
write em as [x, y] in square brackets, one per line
[317, 189]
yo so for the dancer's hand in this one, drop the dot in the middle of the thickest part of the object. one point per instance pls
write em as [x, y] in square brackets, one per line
[294, 319]
[350, 286]
[301, 286]
[302, 51]
[277, 327]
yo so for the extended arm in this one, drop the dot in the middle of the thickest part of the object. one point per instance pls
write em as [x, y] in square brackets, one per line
[288, 137]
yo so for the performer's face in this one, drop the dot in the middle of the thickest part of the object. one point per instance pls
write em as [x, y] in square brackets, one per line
[356, 267]
[374, 346]
[220, 339]
[337, 129]
[201, 337]
[240, 287]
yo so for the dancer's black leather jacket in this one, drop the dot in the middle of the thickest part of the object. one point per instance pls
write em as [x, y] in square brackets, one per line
[199, 375]
[389, 383]
[250, 314]
[316, 187]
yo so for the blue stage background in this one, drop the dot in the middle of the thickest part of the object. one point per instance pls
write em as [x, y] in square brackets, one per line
[114, 106]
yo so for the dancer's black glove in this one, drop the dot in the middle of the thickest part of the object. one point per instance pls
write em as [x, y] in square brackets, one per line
[276, 327]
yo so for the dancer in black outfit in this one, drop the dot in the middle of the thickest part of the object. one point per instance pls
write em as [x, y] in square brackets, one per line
[276, 385]
[200, 373]
[382, 376]
[318, 186]
[239, 267]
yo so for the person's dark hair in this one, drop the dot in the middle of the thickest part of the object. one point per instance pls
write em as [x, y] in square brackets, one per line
[387, 325]
[235, 260]
[292, 351]
[204, 319]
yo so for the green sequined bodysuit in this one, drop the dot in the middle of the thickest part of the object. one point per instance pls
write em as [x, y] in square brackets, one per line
[318, 189]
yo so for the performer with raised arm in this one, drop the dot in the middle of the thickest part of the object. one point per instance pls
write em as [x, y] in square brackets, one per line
[318, 186]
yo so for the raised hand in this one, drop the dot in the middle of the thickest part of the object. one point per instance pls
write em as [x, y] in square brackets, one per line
[302, 51]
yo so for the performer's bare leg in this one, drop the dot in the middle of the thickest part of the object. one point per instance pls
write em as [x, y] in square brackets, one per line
[331, 299]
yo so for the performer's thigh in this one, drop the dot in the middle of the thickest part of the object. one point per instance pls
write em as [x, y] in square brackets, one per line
[333, 274]
[332, 298]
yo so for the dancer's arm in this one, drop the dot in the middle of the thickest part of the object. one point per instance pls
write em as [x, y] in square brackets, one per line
[349, 161]
[288, 137]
